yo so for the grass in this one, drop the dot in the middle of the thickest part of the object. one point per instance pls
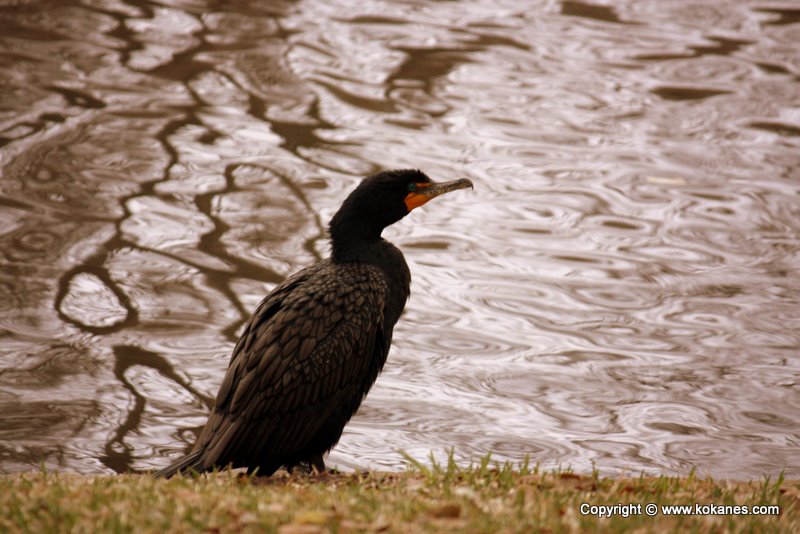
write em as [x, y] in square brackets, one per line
[487, 497]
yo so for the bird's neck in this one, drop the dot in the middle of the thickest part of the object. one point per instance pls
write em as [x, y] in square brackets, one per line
[357, 249]
[355, 239]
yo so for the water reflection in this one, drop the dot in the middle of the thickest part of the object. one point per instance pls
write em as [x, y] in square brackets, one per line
[618, 291]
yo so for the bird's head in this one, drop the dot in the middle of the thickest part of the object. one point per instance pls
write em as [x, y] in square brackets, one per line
[386, 197]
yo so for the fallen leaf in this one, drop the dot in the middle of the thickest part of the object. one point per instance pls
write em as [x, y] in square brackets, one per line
[450, 510]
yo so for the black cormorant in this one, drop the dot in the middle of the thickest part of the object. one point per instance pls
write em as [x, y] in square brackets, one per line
[315, 345]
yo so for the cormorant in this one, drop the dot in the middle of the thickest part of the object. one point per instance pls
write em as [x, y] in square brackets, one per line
[315, 345]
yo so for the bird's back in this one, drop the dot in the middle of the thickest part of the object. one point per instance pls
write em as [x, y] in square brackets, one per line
[305, 360]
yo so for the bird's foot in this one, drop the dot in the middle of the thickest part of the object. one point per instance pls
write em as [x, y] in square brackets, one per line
[313, 465]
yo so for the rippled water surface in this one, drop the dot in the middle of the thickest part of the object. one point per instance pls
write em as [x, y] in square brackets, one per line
[621, 288]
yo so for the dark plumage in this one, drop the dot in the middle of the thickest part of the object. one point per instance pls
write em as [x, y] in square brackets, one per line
[315, 345]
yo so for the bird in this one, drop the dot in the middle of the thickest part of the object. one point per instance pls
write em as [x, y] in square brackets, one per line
[316, 343]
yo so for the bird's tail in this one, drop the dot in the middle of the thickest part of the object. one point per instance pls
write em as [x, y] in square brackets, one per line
[191, 462]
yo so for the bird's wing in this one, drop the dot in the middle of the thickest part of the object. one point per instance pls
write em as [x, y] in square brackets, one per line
[306, 349]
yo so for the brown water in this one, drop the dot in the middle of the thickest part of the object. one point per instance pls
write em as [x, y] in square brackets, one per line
[621, 289]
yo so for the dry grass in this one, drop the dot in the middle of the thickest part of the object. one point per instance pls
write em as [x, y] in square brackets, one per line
[481, 498]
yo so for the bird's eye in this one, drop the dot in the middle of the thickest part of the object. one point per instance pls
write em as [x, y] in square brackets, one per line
[412, 186]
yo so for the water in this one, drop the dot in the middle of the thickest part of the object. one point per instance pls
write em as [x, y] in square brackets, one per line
[620, 289]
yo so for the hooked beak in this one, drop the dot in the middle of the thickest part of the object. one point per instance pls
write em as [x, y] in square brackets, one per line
[426, 191]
